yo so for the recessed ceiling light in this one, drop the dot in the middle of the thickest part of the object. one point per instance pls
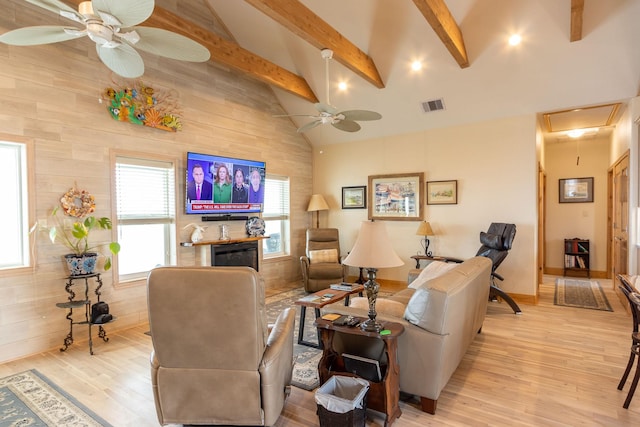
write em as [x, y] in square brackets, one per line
[515, 40]
[416, 65]
[342, 86]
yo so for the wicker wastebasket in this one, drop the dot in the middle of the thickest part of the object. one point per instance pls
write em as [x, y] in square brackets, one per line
[342, 402]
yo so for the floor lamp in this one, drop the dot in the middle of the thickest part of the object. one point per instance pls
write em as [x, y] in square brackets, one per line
[372, 251]
[317, 204]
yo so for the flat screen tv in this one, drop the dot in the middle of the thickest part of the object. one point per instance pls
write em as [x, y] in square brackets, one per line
[223, 185]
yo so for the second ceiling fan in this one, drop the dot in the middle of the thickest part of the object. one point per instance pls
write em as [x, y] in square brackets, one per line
[328, 114]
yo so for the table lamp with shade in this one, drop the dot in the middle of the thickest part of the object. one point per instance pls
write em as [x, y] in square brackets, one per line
[317, 204]
[372, 251]
[425, 230]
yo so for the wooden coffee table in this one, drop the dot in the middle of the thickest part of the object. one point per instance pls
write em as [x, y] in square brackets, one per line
[317, 301]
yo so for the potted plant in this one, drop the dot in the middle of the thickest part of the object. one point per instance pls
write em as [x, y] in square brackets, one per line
[84, 254]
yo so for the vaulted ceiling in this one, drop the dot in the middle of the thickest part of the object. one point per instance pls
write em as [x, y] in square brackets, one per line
[574, 53]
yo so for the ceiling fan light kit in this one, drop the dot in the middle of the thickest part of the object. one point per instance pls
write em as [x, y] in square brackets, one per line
[328, 114]
[104, 21]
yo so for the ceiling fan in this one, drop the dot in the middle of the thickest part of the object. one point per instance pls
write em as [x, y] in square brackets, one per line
[343, 120]
[111, 25]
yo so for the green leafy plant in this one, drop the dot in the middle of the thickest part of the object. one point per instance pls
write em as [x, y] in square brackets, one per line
[76, 237]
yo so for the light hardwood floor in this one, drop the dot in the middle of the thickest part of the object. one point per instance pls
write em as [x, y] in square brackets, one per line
[551, 366]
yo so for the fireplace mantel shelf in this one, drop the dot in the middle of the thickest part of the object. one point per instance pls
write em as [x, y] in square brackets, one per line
[212, 243]
[223, 242]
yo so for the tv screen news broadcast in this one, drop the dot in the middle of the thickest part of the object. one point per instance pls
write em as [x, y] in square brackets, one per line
[223, 185]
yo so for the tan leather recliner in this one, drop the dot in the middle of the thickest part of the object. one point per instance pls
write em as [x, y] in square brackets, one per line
[215, 360]
[322, 264]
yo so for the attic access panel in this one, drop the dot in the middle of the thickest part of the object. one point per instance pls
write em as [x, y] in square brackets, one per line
[581, 118]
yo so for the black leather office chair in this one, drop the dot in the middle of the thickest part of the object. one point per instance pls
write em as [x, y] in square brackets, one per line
[496, 243]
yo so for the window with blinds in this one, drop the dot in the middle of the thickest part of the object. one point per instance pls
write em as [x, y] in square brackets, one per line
[146, 211]
[14, 216]
[276, 216]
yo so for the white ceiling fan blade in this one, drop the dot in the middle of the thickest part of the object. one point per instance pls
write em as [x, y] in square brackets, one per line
[325, 108]
[44, 34]
[171, 45]
[361, 115]
[129, 12]
[122, 60]
[58, 8]
[296, 115]
[309, 126]
[347, 125]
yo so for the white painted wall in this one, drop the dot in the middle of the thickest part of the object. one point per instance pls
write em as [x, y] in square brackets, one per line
[495, 164]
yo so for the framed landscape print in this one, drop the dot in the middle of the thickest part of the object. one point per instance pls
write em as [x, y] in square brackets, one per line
[576, 190]
[442, 192]
[396, 197]
[354, 197]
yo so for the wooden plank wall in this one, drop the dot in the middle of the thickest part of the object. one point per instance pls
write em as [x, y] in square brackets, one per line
[49, 96]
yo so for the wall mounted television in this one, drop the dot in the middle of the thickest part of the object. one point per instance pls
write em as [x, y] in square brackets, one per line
[223, 185]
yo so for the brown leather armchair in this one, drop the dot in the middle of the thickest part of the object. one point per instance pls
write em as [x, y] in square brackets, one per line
[215, 360]
[322, 264]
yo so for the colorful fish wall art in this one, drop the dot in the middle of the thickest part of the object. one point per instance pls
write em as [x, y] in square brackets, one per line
[143, 105]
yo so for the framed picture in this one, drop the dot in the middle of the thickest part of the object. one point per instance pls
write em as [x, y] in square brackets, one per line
[396, 197]
[442, 192]
[354, 197]
[576, 190]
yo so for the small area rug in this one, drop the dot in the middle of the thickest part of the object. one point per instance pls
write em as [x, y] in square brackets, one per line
[580, 294]
[31, 399]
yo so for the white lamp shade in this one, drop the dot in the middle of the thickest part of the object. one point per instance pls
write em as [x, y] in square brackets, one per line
[317, 203]
[373, 248]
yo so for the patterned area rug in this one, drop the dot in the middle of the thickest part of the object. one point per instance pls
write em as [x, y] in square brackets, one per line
[31, 399]
[581, 294]
[305, 369]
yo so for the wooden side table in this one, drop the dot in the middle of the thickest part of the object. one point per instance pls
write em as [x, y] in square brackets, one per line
[316, 301]
[418, 258]
[384, 396]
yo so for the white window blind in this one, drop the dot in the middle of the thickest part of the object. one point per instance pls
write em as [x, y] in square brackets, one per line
[276, 197]
[14, 216]
[145, 204]
[145, 189]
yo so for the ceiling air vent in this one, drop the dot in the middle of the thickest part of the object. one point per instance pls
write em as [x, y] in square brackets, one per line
[433, 105]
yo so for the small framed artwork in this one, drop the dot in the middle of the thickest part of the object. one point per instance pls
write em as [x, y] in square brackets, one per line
[354, 197]
[396, 197]
[442, 192]
[576, 190]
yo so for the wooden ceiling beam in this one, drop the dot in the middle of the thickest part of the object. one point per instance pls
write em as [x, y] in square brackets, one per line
[301, 21]
[231, 54]
[577, 11]
[439, 17]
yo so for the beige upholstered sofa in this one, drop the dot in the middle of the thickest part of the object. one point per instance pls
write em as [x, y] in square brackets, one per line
[441, 318]
[215, 360]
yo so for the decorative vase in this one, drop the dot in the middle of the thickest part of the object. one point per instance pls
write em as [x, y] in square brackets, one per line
[81, 264]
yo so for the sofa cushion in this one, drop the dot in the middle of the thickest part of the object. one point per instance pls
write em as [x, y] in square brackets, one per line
[428, 307]
[323, 255]
[383, 306]
[431, 271]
